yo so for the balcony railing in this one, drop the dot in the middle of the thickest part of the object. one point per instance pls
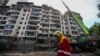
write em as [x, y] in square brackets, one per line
[3, 19]
[31, 30]
[55, 19]
[43, 31]
[2, 24]
[42, 37]
[13, 11]
[30, 35]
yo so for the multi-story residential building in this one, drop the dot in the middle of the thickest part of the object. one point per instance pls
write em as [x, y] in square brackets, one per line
[50, 22]
[35, 24]
[21, 22]
[15, 1]
[69, 25]
[32, 23]
[4, 5]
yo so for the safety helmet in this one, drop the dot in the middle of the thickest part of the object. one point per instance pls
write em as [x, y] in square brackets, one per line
[57, 33]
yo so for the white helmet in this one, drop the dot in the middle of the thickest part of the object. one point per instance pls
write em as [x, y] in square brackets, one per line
[57, 33]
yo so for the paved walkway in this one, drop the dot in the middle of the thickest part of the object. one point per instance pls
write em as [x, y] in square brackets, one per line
[43, 54]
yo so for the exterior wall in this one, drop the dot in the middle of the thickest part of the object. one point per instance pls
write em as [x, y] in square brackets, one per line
[15, 1]
[72, 28]
[50, 22]
[27, 20]
[3, 2]
[3, 20]
[22, 0]
[3, 10]
[36, 24]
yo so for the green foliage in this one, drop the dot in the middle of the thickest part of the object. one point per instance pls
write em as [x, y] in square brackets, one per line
[98, 6]
[99, 10]
[83, 39]
[95, 28]
[73, 40]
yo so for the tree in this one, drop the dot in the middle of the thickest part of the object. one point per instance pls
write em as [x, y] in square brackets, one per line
[95, 33]
[99, 10]
[95, 29]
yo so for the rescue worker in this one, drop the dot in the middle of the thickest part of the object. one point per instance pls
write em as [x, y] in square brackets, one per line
[63, 48]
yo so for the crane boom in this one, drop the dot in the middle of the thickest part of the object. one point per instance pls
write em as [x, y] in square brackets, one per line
[77, 20]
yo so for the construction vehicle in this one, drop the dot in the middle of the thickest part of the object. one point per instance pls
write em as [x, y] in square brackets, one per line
[80, 43]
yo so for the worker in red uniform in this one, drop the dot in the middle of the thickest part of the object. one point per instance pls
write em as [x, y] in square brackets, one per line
[64, 48]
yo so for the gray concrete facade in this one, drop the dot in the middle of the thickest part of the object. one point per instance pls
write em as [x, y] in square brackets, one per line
[34, 24]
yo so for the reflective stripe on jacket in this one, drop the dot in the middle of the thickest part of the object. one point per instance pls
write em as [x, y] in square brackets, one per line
[64, 48]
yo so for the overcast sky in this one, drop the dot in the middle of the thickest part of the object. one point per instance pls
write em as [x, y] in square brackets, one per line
[87, 8]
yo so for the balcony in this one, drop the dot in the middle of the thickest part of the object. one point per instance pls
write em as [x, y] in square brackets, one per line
[13, 11]
[32, 15]
[54, 23]
[9, 27]
[44, 27]
[31, 28]
[42, 37]
[55, 11]
[36, 26]
[1, 27]
[7, 32]
[75, 32]
[35, 19]
[74, 29]
[45, 13]
[36, 9]
[14, 18]
[3, 18]
[12, 22]
[56, 15]
[53, 27]
[72, 25]
[2, 24]
[47, 9]
[45, 16]
[44, 23]
[55, 19]
[37, 14]
[33, 24]
[30, 34]
[43, 32]
[14, 14]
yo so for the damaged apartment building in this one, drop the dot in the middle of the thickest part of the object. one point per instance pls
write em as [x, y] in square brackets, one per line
[25, 22]
[30, 23]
